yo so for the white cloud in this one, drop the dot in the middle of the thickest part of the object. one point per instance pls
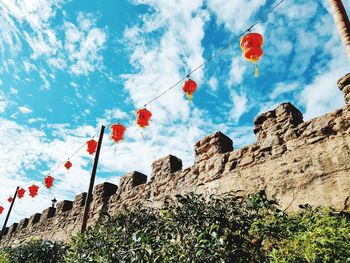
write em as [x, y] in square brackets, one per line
[43, 43]
[239, 102]
[238, 68]
[322, 95]
[29, 66]
[242, 136]
[84, 44]
[24, 110]
[235, 15]
[160, 65]
[282, 88]
[3, 102]
[46, 83]
[213, 83]
[13, 91]
[73, 84]
[35, 120]
[80, 51]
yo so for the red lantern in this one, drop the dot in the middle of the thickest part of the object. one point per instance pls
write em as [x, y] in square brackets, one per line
[10, 199]
[49, 181]
[68, 165]
[33, 190]
[91, 146]
[251, 48]
[143, 117]
[117, 132]
[189, 88]
[1, 210]
[21, 193]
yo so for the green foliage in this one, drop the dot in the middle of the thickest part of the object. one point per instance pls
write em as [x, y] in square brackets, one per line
[34, 251]
[226, 228]
[194, 228]
[4, 257]
[319, 235]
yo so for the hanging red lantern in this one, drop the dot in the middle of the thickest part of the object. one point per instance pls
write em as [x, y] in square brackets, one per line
[117, 132]
[33, 190]
[251, 48]
[68, 165]
[143, 117]
[91, 146]
[49, 181]
[10, 199]
[1, 210]
[20, 193]
[189, 88]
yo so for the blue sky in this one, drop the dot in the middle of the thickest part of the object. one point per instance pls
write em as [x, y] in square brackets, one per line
[69, 66]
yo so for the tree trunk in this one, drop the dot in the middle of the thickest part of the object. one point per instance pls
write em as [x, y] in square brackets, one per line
[341, 20]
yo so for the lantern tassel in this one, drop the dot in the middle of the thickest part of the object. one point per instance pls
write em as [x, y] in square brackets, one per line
[189, 96]
[256, 70]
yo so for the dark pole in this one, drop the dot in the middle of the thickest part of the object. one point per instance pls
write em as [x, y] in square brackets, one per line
[8, 213]
[92, 181]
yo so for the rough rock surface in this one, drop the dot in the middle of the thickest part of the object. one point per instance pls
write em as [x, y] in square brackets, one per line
[296, 162]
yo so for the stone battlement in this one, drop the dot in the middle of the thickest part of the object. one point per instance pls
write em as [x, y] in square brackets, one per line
[296, 162]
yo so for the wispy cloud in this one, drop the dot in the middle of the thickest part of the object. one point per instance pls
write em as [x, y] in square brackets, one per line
[3, 102]
[84, 44]
[24, 110]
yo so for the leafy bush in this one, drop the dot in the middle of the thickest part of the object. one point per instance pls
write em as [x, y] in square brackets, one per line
[4, 257]
[319, 235]
[194, 228]
[224, 228]
[34, 251]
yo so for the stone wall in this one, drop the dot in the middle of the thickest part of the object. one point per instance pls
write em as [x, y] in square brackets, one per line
[297, 162]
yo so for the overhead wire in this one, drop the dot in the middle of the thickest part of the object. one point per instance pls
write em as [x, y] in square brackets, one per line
[215, 54]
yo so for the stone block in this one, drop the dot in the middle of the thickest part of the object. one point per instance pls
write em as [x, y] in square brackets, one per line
[79, 200]
[23, 223]
[6, 230]
[344, 86]
[12, 228]
[104, 190]
[64, 206]
[212, 145]
[344, 81]
[47, 213]
[272, 126]
[166, 166]
[34, 219]
[131, 180]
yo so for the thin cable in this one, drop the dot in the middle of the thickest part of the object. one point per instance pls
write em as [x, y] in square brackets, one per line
[216, 53]
[63, 162]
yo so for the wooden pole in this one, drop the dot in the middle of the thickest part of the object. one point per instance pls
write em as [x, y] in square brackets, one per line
[342, 23]
[92, 181]
[8, 213]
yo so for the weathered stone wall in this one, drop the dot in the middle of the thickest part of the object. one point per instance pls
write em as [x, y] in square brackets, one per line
[296, 162]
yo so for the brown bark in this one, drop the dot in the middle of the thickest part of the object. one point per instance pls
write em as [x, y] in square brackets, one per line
[342, 23]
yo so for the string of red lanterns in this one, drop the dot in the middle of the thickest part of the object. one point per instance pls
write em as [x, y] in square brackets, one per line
[252, 51]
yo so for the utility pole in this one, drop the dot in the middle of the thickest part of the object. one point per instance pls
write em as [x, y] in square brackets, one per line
[342, 23]
[9, 213]
[92, 182]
